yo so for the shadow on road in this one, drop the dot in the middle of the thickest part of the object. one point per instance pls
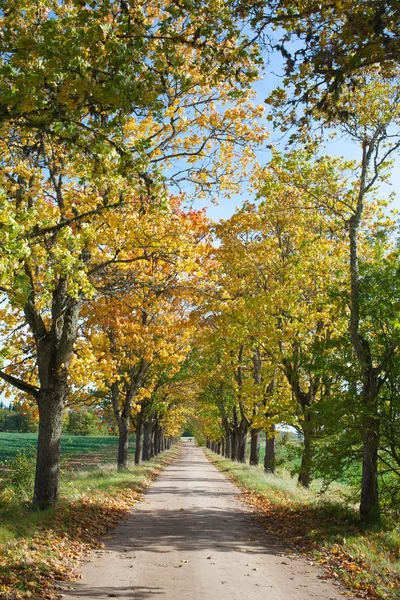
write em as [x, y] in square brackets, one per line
[134, 592]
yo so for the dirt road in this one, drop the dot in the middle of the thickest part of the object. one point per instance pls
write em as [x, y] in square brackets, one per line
[192, 538]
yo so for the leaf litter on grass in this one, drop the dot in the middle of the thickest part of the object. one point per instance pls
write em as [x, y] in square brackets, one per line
[33, 567]
[325, 533]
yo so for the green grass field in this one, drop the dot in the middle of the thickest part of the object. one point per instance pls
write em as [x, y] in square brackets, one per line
[103, 448]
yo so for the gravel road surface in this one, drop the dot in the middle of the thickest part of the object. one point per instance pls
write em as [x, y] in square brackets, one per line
[192, 539]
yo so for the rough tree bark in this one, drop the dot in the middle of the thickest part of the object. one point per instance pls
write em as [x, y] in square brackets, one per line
[305, 474]
[254, 446]
[305, 400]
[270, 458]
[371, 380]
[369, 502]
[147, 440]
[54, 347]
[242, 440]
[139, 438]
[228, 445]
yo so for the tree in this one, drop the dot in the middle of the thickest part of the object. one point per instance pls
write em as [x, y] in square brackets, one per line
[82, 422]
[78, 71]
[62, 184]
[281, 258]
[372, 120]
[369, 115]
[370, 126]
[325, 46]
[143, 330]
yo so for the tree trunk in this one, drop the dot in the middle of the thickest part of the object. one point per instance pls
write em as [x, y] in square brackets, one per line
[305, 401]
[235, 445]
[157, 439]
[269, 458]
[123, 442]
[139, 438]
[147, 436]
[47, 478]
[254, 447]
[228, 445]
[54, 352]
[369, 504]
[369, 501]
[154, 441]
[305, 474]
[242, 443]
[223, 447]
[152, 446]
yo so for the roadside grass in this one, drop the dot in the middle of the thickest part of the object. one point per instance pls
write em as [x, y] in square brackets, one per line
[40, 549]
[324, 527]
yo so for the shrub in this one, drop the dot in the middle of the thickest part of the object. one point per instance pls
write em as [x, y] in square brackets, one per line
[19, 476]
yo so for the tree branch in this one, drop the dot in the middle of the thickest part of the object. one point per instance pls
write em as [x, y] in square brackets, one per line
[21, 385]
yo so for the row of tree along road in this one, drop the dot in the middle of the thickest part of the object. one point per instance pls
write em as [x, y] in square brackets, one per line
[114, 293]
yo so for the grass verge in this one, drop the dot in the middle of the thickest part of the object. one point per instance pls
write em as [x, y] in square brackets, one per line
[39, 549]
[323, 528]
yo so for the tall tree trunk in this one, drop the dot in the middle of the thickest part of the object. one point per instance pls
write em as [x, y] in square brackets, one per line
[147, 438]
[54, 353]
[305, 474]
[124, 422]
[254, 447]
[223, 447]
[123, 413]
[123, 418]
[157, 438]
[242, 443]
[270, 458]
[235, 444]
[152, 447]
[369, 502]
[139, 438]
[47, 478]
[228, 445]
[305, 401]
